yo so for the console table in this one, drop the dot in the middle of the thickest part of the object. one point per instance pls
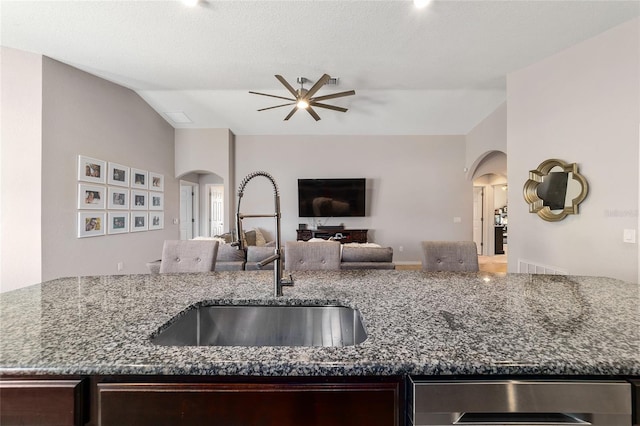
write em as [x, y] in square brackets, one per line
[342, 235]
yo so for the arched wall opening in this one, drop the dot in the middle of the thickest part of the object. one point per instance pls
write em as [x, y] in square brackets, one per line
[490, 216]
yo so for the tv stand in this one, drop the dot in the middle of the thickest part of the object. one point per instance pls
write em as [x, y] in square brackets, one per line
[342, 235]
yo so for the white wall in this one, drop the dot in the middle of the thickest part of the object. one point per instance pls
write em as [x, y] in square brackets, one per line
[415, 184]
[208, 151]
[84, 114]
[581, 105]
[488, 136]
[20, 170]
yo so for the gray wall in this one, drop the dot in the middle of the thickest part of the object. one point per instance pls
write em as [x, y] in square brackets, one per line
[415, 184]
[581, 105]
[84, 114]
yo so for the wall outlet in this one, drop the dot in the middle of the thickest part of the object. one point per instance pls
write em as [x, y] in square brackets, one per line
[176, 221]
[629, 236]
[401, 248]
[120, 266]
[457, 219]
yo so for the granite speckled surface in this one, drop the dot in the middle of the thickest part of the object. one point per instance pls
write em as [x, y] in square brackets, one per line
[417, 323]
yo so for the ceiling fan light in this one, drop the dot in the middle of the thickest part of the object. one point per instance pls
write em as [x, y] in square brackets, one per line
[302, 104]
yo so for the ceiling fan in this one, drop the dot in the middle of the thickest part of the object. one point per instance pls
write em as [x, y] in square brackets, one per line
[303, 98]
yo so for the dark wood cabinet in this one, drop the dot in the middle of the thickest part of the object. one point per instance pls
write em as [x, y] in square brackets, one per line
[230, 404]
[342, 235]
[500, 239]
[42, 402]
[635, 391]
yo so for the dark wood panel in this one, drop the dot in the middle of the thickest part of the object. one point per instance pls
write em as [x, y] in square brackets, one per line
[261, 404]
[41, 402]
[344, 235]
[636, 402]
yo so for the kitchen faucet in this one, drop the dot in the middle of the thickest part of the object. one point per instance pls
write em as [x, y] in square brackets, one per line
[279, 281]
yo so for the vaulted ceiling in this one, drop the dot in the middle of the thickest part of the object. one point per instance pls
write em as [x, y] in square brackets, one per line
[438, 70]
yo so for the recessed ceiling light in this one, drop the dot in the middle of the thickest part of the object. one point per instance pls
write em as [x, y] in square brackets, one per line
[190, 3]
[178, 117]
[421, 4]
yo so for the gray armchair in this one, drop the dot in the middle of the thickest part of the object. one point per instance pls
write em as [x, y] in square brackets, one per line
[188, 256]
[314, 256]
[453, 256]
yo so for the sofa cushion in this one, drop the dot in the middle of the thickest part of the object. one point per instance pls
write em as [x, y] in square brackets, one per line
[257, 254]
[366, 265]
[367, 254]
[229, 253]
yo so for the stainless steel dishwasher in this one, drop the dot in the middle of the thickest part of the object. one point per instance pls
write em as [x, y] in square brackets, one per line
[519, 402]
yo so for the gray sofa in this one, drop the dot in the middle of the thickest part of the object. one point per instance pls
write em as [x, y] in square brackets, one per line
[367, 258]
[229, 258]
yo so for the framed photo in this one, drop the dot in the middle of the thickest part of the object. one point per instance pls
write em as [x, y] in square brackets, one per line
[156, 201]
[139, 179]
[91, 196]
[91, 224]
[118, 175]
[118, 199]
[118, 222]
[91, 170]
[139, 222]
[156, 220]
[139, 200]
[156, 182]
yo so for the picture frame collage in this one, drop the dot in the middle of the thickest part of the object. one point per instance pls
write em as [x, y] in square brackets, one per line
[117, 199]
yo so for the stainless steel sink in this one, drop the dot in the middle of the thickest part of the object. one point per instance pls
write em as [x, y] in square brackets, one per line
[263, 325]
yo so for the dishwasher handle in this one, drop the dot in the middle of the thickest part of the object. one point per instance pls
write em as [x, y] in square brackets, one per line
[520, 419]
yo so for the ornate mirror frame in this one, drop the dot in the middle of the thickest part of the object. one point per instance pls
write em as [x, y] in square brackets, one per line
[536, 178]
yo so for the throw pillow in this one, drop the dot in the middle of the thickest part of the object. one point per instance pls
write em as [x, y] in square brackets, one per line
[260, 240]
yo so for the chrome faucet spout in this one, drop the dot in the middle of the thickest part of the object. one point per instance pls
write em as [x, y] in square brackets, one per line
[279, 281]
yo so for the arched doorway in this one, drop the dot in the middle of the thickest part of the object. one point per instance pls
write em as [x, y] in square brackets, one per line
[490, 213]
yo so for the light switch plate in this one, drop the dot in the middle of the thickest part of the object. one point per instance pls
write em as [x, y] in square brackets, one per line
[629, 236]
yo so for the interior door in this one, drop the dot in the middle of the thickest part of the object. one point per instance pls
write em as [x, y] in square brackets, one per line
[216, 209]
[186, 212]
[478, 219]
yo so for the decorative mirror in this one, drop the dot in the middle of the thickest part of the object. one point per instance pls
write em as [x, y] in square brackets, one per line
[555, 189]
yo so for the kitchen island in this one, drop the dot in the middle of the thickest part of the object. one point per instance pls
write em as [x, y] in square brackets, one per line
[419, 324]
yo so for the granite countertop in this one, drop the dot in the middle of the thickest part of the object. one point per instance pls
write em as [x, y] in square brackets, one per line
[418, 323]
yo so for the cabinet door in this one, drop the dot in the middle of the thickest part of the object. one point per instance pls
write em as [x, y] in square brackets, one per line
[635, 385]
[41, 402]
[249, 404]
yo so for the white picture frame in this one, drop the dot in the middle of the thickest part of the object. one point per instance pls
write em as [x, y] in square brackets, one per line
[91, 224]
[118, 199]
[139, 179]
[139, 222]
[156, 201]
[118, 175]
[118, 222]
[156, 182]
[156, 220]
[139, 200]
[92, 170]
[91, 197]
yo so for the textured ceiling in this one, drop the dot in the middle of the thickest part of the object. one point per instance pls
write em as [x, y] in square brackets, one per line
[438, 70]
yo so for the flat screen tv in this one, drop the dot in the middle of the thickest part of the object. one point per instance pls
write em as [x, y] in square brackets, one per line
[331, 197]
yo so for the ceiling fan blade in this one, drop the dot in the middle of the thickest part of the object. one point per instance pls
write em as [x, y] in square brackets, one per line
[277, 106]
[313, 113]
[288, 86]
[293, 111]
[333, 95]
[272, 96]
[321, 82]
[335, 108]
